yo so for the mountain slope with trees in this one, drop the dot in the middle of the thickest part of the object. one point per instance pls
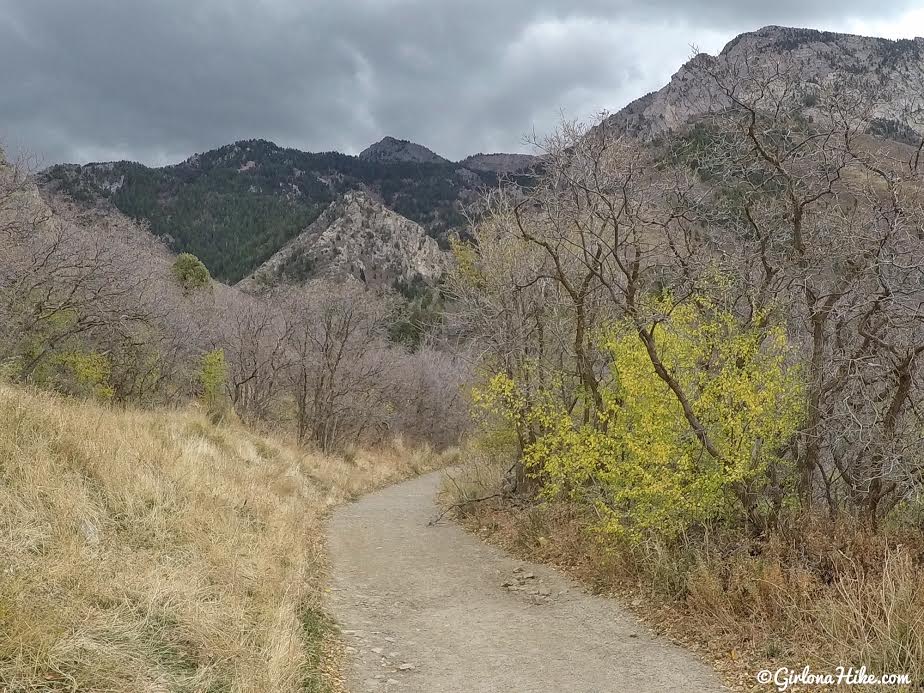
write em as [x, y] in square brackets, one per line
[235, 206]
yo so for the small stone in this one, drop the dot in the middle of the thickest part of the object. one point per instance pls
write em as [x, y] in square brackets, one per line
[544, 592]
[508, 583]
[393, 655]
[529, 576]
[389, 639]
[393, 682]
[406, 667]
[543, 541]
[518, 569]
[633, 635]
[377, 650]
[349, 650]
[90, 532]
[380, 677]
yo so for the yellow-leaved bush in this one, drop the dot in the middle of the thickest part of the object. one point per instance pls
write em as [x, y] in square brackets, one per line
[641, 464]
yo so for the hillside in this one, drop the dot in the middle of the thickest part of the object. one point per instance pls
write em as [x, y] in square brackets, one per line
[502, 163]
[153, 550]
[234, 207]
[359, 237]
[392, 150]
[885, 76]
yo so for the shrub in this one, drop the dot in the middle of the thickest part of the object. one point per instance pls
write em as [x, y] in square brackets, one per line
[641, 465]
[810, 99]
[213, 377]
[190, 272]
[85, 374]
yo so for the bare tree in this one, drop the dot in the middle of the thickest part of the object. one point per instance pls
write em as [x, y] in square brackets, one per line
[336, 337]
[826, 225]
[253, 334]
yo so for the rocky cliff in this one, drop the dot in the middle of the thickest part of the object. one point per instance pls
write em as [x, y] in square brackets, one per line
[886, 75]
[359, 237]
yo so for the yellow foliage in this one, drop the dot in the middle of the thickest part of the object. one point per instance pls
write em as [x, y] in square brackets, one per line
[640, 463]
[466, 263]
[84, 373]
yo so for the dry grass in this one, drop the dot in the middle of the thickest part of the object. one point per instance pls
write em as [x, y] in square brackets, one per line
[815, 594]
[155, 551]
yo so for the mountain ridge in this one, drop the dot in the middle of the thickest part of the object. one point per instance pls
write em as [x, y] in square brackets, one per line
[391, 149]
[237, 205]
[890, 73]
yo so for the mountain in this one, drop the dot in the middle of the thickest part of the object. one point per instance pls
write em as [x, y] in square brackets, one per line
[235, 206]
[356, 236]
[389, 149]
[501, 163]
[887, 74]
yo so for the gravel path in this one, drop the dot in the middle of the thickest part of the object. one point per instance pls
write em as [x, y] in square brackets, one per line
[434, 610]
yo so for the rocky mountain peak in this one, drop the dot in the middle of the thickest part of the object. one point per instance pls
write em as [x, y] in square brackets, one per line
[391, 149]
[356, 236]
[888, 73]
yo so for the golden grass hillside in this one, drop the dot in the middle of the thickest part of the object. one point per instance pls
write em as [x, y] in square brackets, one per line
[155, 551]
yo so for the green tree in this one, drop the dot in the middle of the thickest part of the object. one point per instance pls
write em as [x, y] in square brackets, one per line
[190, 272]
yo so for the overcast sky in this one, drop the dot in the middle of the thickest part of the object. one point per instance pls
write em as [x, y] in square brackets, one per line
[155, 81]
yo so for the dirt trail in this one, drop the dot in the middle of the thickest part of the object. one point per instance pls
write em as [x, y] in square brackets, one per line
[434, 610]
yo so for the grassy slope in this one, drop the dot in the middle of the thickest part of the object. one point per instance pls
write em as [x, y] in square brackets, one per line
[154, 551]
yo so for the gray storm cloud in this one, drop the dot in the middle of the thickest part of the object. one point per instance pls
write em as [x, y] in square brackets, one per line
[113, 79]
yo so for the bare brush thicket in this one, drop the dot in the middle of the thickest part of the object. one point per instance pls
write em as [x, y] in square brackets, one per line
[62, 284]
[784, 220]
[783, 216]
[829, 234]
[91, 307]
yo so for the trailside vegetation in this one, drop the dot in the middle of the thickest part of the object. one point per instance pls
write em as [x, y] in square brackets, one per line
[701, 367]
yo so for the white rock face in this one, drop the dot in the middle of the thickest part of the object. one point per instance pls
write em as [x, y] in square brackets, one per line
[889, 75]
[356, 236]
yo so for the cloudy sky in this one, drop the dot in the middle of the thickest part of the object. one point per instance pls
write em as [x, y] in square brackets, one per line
[93, 80]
